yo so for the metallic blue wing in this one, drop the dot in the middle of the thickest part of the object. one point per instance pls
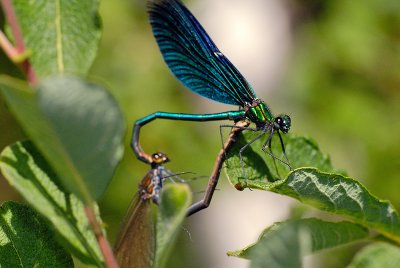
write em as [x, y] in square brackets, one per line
[193, 57]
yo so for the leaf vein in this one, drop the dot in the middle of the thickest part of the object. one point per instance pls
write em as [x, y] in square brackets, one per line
[59, 46]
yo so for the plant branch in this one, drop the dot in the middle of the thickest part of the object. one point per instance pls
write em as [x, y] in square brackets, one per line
[105, 248]
[7, 47]
[13, 22]
[19, 43]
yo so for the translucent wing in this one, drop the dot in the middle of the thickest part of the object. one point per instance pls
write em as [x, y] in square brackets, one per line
[193, 57]
[135, 244]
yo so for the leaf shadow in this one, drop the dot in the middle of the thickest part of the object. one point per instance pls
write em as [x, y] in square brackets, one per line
[254, 166]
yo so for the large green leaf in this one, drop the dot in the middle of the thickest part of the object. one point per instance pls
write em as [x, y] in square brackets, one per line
[299, 238]
[62, 35]
[26, 241]
[259, 166]
[326, 191]
[339, 195]
[29, 173]
[377, 255]
[76, 124]
[175, 200]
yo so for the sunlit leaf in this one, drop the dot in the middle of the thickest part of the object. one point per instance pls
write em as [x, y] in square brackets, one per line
[29, 173]
[330, 192]
[260, 167]
[26, 241]
[62, 35]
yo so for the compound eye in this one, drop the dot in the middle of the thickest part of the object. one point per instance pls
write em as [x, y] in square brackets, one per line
[286, 124]
[283, 123]
[159, 158]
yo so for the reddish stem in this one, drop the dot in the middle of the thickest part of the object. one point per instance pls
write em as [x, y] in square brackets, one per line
[19, 41]
[7, 47]
[13, 22]
[105, 247]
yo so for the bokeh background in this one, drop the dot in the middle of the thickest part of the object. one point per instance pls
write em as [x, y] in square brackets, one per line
[333, 65]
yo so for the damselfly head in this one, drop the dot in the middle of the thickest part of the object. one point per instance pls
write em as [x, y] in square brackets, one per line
[283, 123]
[159, 158]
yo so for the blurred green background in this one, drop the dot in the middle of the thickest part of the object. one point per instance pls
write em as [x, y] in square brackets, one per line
[337, 75]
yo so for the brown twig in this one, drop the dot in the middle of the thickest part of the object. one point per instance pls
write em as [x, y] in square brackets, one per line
[214, 177]
[19, 49]
[105, 247]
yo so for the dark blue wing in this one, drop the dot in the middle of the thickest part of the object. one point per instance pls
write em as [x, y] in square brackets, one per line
[193, 57]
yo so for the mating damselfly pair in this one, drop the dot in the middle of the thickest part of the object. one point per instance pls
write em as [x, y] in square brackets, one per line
[196, 61]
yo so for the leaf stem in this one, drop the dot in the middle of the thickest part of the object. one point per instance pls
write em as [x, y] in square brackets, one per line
[7, 47]
[105, 247]
[19, 48]
[13, 22]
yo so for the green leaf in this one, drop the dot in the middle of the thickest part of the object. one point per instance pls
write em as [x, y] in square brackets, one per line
[76, 125]
[326, 191]
[26, 241]
[299, 237]
[63, 35]
[377, 255]
[175, 200]
[260, 167]
[341, 195]
[29, 173]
